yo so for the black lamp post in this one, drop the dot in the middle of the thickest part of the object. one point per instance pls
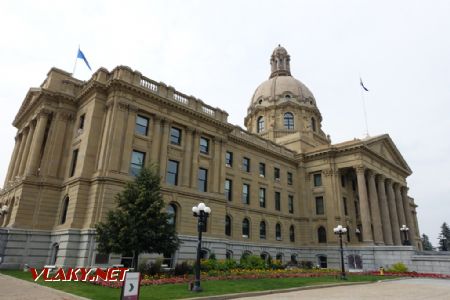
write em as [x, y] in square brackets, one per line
[339, 230]
[405, 230]
[443, 242]
[201, 212]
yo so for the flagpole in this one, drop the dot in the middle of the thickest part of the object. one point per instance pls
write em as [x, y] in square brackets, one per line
[75, 64]
[365, 111]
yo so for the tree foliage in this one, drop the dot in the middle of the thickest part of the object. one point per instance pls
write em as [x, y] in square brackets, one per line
[444, 244]
[426, 244]
[139, 224]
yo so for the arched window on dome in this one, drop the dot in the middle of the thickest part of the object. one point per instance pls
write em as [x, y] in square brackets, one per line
[260, 124]
[313, 124]
[288, 121]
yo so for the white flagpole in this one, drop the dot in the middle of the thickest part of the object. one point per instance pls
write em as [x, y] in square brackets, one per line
[364, 106]
[75, 64]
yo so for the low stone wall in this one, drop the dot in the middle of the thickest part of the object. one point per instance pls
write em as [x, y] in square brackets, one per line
[430, 264]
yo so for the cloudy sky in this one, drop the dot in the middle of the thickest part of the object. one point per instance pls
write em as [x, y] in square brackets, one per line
[219, 52]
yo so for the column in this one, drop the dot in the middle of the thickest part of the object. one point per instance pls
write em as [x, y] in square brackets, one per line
[36, 144]
[399, 203]
[375, 210]
[386, 221]
[156, 138]
[216, 166]
[393, 212]
[194, 170]
[163, 153]
[186, 164]
[54, 155]
[26, 150]
[23, 138]
[13, 160]
[129, 136]
[223, 144]
[364, 205]
[409, 216]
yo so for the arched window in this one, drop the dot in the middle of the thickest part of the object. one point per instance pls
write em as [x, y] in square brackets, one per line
[245, 255]
[294, 258]
[322, 260]
[288, 121]
[322, 234]
[227, 225]
[171, 211]
[262, 230]
[313, 124]
[264, 256]
[54, 253]
[64, 210]
[204, 253]
[278, 232]
[245, 228]
[292, 233]
[279, 257]
[260, 124]
[229, 254]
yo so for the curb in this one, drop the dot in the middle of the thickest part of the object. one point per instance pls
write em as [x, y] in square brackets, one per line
[269, 292]
[56, 291]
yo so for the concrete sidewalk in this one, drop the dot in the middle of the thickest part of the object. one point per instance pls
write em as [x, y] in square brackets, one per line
[13, 289]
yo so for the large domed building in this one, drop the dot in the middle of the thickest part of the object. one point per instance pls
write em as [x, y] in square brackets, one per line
[276, 189]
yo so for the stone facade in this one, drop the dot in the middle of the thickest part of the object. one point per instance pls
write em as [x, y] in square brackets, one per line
[79, 142]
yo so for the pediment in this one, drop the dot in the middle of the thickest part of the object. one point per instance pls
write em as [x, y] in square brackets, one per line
[385, 147]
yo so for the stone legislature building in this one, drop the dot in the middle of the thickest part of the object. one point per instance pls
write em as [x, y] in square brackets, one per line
[277, 188]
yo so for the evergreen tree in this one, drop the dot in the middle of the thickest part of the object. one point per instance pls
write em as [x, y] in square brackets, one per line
[139, 224]
[426, 244]
[444, 241]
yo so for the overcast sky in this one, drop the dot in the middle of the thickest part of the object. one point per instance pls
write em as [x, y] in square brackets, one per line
[219, 52]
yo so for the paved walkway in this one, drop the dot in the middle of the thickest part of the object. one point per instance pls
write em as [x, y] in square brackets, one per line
[407, 289]
[14, 289]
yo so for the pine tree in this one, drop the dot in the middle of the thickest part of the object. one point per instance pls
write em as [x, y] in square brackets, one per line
[426, 244]
[139, 224]
[444, 241]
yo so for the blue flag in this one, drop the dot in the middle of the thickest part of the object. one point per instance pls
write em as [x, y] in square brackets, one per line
[81, 55]
[360, 82]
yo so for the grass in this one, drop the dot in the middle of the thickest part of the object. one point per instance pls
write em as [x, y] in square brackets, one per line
[178, 291]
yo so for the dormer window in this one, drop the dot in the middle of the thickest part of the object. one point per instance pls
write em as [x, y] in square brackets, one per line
[313, 124]
[288, 121]
[260, 124]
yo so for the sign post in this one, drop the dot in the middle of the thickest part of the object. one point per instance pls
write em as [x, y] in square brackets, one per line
[130, 288]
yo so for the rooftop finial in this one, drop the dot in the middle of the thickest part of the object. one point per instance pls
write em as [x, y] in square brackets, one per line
[279, 62]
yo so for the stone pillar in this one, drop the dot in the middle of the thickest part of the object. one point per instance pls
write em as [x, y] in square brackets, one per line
[156, 138]
[26, 150]
[375, 210]
[163, 152]
[23, 138]
[409, 216]
[385, 218]
[13, 160]
[186, 164]
[364, 206]
[195, 151]
[36, 144]
[128, 141]
[399, 203]
[393, 213]
[223, 144]
[216, 166]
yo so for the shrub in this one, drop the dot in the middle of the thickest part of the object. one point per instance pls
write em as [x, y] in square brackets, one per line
[150, 268]
[183, 268]
[306, 264]
[398, 268]
[212, 256]
[252, 262]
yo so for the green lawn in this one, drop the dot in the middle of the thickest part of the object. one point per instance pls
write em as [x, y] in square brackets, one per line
[177, 291]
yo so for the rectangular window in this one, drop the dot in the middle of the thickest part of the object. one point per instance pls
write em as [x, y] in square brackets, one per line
[202, 180]
[343, 180]
[277, 201]
[101, 259]
[229, 189]
[137, 162]
[81, 124]
[175, 136]
[229, 159]
[262, 197]
[289, 178]
[246, 164]
[172, 172]
[345, 206]
[320, 210]
[276, 174]
[141, 125]
[246, 193]
[291, 204]
[73, 165]
[262, 169]
[318, 179]
[204, 145]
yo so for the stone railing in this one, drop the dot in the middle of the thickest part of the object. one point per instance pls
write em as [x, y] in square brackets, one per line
[167, 92]
[240, 133]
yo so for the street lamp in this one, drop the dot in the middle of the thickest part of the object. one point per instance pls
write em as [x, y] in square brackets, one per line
[443, 241]
[201, 212]
[405, 230]
[339, 230]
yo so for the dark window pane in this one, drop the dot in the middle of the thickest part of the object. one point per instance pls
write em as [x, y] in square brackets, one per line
[175, 136]
[64, 210]
[260, 124]
[278, 232]
[277, 201]
[289, 178]
[319, 206]
[292, 234]
[276, 174]
[262, 197]
[246, 164]
[73, 165]
[228, 189]
[291, 204]
[101, 259]
[172, 172]
[82, 118]
[141, 125]
[202, 180]
[246, 193]
[245, 228]
[322, 235]
[229, 158]
[262, 169]
[262, 230]
[345, 206]
[289, 121]
[317, 179]
[171, 211]
[204, 145]
[227, 225]
[137, 162]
